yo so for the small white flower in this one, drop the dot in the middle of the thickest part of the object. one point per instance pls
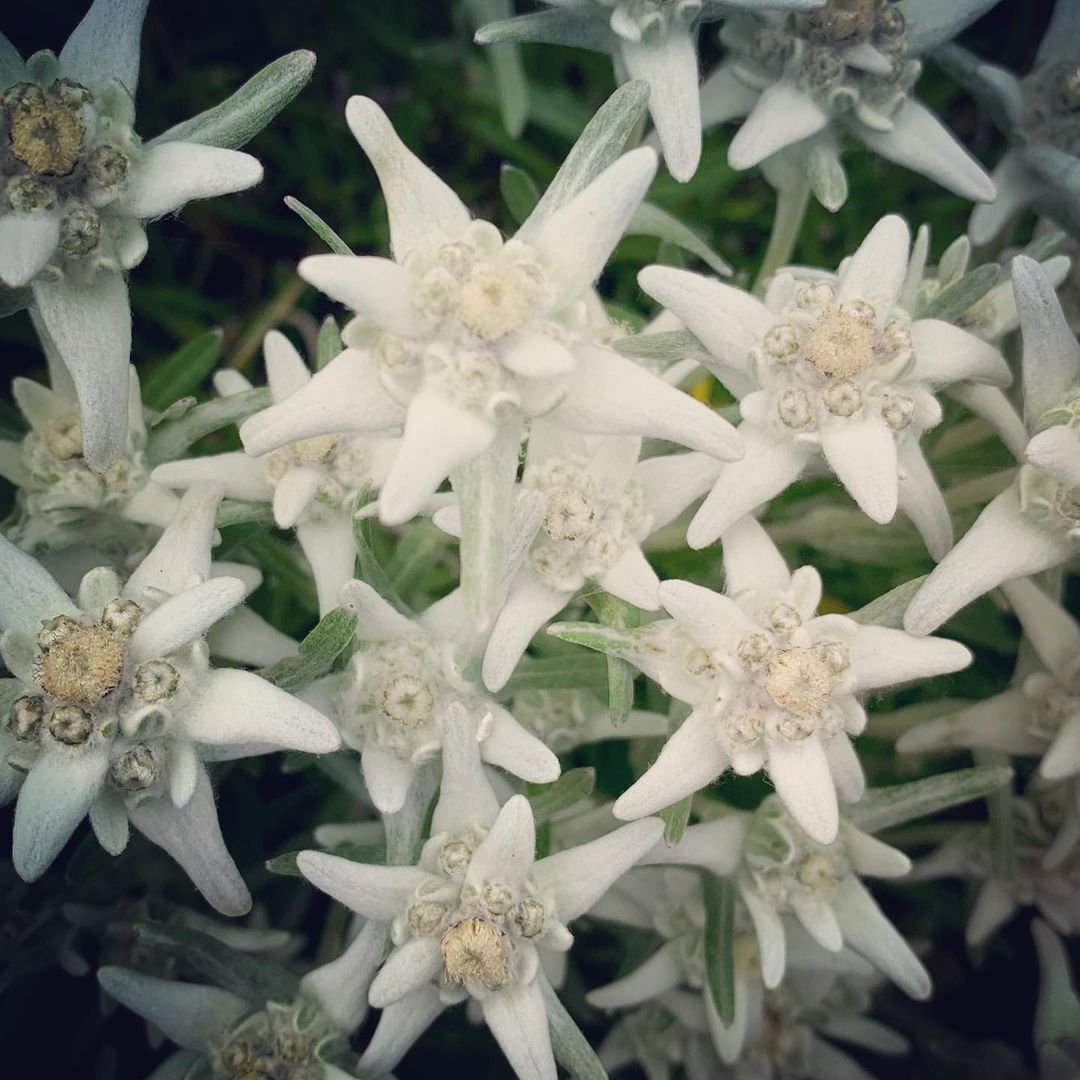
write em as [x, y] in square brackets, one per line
[836, 368]
[772, 685]
[119, 706]
[1035, 523]
[848, 67]
[474, 917]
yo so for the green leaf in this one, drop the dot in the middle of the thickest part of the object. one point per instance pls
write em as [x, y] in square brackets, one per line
[370, 569]
[882, 808]
[249, 977]
[613, 612]
[888, 610]
[573, 786]
[285, 863]
[720, 944]
[675, 818]
[318, 226]
[242, 115]
[318, 651]
[651, 220]
[518, 191]
[170, 441]
[414, 554]
[667, 348]
[955, 299]
[606, 639]
[571, 1048]
[239, 512]
[184, 372]
[329, 343]
[559, 673]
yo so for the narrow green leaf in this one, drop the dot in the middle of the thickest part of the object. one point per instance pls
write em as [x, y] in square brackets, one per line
[667, 347]
[414, 554]
[720, 944]
[573, 786]
[170, 441]
[571, 1048]
[605, 639]
[176, 410]
[955, 299]
[285, 863]
[242, 115]
[182, 373]
[559, 673]
[318, 226]
[999, 805]
[518, 191]
[675, 818]
[651, 220]
[238, 512]
[882, 808]
[317, 652]
[369, 567]
[329, 343]
[616, 613]
[888, 610]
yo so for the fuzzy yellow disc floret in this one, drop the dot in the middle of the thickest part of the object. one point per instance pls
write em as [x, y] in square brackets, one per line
[473, 950]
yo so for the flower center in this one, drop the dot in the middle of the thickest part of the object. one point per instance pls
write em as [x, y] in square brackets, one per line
[569, 514]
[135, 769]
[46, 129]
[800, 680]
[80, 664]
[408, 701]
[474, 950]
[495, 302]
[841, 21]
[314, 451]
[841, 344]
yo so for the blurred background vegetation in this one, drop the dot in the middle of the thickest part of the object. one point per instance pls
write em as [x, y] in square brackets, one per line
[229, 263]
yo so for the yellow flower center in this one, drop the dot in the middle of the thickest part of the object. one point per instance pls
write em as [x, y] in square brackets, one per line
[841, 343]
[47, 132]
[83, 665]
[800, 680]
[473, 950]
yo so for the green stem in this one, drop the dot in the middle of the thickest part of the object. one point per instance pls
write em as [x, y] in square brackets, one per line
[792, 200]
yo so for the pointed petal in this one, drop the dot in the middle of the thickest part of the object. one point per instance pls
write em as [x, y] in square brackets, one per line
[846, 769]
[506, 854]
[871, 857]
[465, 795]
[286, 371]
[537, 356]
[519, 1022]
[387, 777]
[330, 550]
[752, 560]
[920, 497]
[920, 142]
[801, 775]
[706, 616]
[818, 920]
[341, 987]
[408, 968]
[516, 750]
[236, 707]
[90, 324]
[661, 972]
[783, 115]
[172, 174]
[996, 723]
[1052, 631]
[192, 836]
[1057, 451]
[672, 482]
[863, 455]
[185, 617]
[377, 619]
[27, 242]
[996, 409]
[632, 579]
[243, 477]
[246, 638]
[293, 493]
[946, 354]
[875, 273]
[28, 592]
[376, 892]
[377, 289]
[530, 604]
[109, 820]
[1062, 759]
[715, 846]
[400, 1025]
[994, 906]
[690, 759]
[1017, 185]
[725, 97]
[883, 657]
[105, 44]
[769, 931]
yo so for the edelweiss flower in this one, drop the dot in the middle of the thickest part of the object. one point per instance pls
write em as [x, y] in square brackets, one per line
[772, 685]
[804, 81]
[1040, 116]
[462, 336]
[1040, 716]
[61, 501]
[313, 483]
[1035, 523]
[404, 679]
[119, 707]
[837, 369]
[652, 40]
[78, 185]
[473, 918]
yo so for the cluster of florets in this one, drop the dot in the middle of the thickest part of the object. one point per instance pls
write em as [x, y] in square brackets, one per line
[277, 1042]
[344, 466]
[1051, 96]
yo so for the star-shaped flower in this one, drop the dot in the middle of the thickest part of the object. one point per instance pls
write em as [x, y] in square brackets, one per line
[119, 708]
[804, 81]
[772, 685]
[80, 183]
[829, 367]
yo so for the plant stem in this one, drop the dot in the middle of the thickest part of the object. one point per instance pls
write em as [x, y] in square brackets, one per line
[792, 200]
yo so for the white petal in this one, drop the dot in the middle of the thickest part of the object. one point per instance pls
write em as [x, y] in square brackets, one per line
[996, 409]
[377, 289]
[387, 777]
[109, 820]
[376, 892]
[690, 759]
[536, 356]
[185, 617]
[632, 579]
[27, 242]
[465, 796]
[518, 1020]
[439, 437]
[875, 273]
[377, 619]
[1000, 546]
[845, 767]
[672, 482]
[729, 322]
[1053, 632]
[243, 477]
[530, 604]
[753, 561]
[90, 325]
[725, 97]
[818, 920]
[105, 44]
[293, 493]
[238, 707]
[1057, 451]
[946, 354]
[919, 141]
[184, 771]
[1062, 759]
[189, 1014]
[864, 1032]
[801, 775]
[872, 858]
[506, 853]
[341, 987]
[152, 505]
[863, 455]
[345, 396]
[769, 931]
[330, 550]
[883, 657]
[706, 616]
[714, 845]
[407, 968]
[55, 797]
[611, 395]
[769, 466]
[577, 239]
[828, 1060]
[577, 877]
[996, 723]
[192, 836]
[286, 371]
[920, 497]
[661, 972]
[399, 1027]
[994, 906]
[516, 750]
[28, 592]
[172, 174]
[423, 211]
[670, 67]
[246, 638]
[1018, 186]
[783, 115]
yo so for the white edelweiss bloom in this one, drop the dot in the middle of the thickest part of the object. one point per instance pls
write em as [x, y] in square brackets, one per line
[475, 916]
[772, 685]
[230, 1035]
[1035, 523]
[74, 200]
[60, 500]
[567, 719]
[838, 370]
[119, 707]
[652, 40]
[1038, 716]
[802, 82]
[463, 335]
[312, 483]
[404, 678]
